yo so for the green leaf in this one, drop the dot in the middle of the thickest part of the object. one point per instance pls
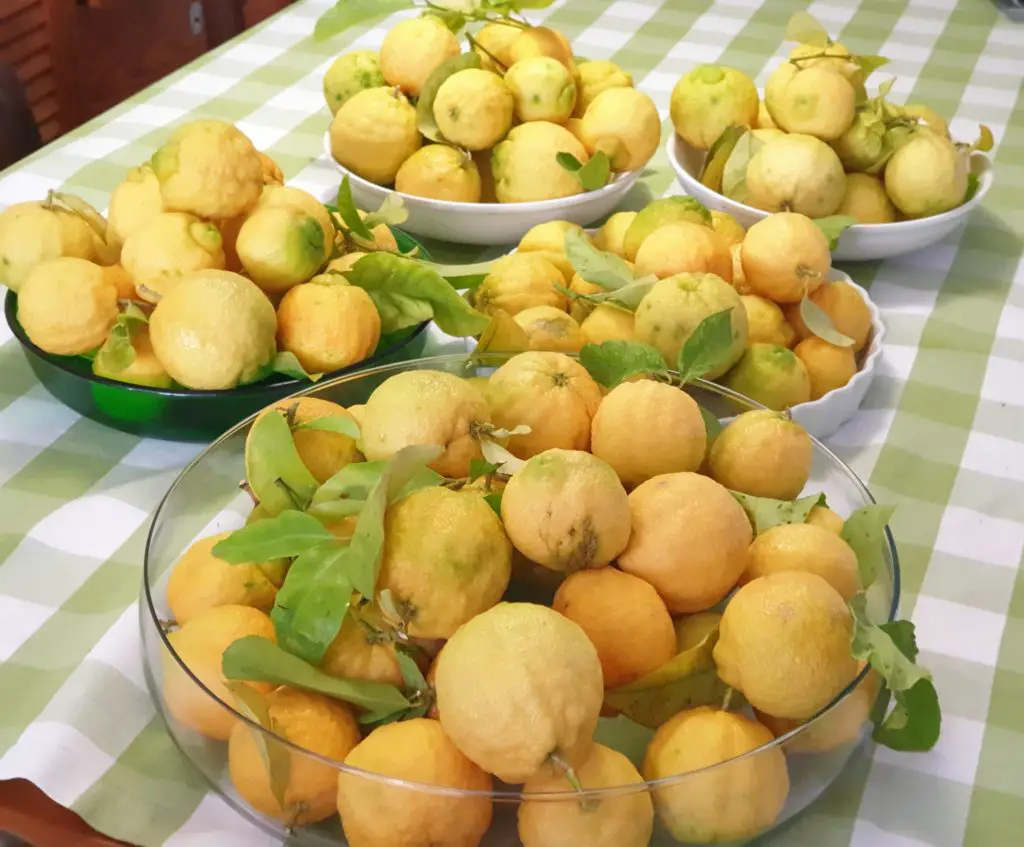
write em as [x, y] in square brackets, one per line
[406, 293]
[708, 345]
[494, 501]
[593, 175]
[352, 482]
[817, 320]
[569, 162]
[869, 64]
[350, 212]
[461, 277]
[734, 174]
[687, 681]
[276, 758]
[985, 141]
[117, 353]
[350, 13]
[367, 544]
[916, 718]
[627, 298]
[428, 94]
[833, 227]
[972, 187]
[612, 362]
[596, 266]
[864, 531]
[392, 212]
[718, 155]
[412, 676]
[481, 467]
[915, 722]
[503, 335]
[454, 21]
[286, 363]
[341, 424]
[255, 659]
[712, 425]
[765, 512]
[311, 605]
[804, 28]
[273, 468]
[283, 536]
[346, 492]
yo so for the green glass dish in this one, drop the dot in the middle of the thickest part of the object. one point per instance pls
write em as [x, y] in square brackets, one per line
[181, 414]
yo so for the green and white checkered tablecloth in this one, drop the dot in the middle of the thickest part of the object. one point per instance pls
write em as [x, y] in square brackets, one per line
[941, 434]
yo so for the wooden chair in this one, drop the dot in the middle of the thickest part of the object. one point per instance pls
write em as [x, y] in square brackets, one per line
[19, 135]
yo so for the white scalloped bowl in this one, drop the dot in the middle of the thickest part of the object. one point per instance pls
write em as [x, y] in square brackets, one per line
[822, 417]
[859, 243]
[487, 224]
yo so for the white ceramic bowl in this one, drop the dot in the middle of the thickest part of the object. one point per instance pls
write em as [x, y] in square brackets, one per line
[859, 243]
[488, 223]
[822, 417]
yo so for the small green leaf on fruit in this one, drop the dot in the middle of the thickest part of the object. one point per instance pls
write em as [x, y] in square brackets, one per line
[804, 28]
[481, 467]
[734, 174]
[502, 335]
[273, 468]
[341, 424]
[985, 142]
[707, 347]
[117, 352]
[766, 512]
[595, 266]
[367, 544]
[494, 501]
[407, 292]
[864, 531]
[687, 681]
[817, 320]
[255, 659]
[869, 64]
[593, 175]
[283, 536]
[461, 277]
[350, 213]
[287, 364]
[884, 89]
[712, 425]
[392, 212]
[719, 154]
[613, 362]
[428, 94]
[276, 758]
[834, 226]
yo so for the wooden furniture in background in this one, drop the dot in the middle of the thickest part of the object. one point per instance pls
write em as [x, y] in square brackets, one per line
[77, 58]
[19, 135]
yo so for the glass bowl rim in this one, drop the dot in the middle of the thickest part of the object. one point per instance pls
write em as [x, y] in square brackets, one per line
[513, 795]
[252, 388]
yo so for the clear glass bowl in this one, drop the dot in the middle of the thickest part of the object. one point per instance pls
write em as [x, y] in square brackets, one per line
[206, 499]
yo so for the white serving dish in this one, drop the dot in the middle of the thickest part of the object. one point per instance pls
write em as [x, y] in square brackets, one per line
[859, 243]
[487, 223]
[822, 417]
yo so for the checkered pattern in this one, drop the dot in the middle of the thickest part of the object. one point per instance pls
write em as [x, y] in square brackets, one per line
[940, 435]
